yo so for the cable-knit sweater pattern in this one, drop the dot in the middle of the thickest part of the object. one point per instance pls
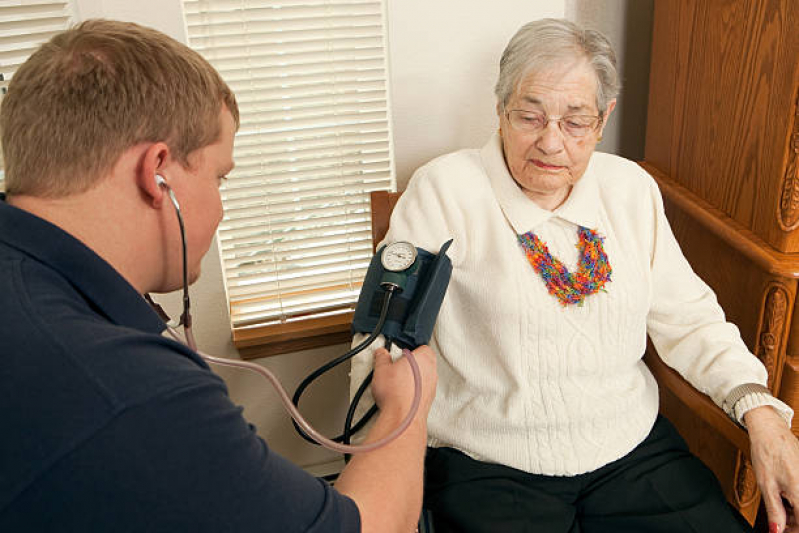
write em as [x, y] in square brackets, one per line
[525, 381]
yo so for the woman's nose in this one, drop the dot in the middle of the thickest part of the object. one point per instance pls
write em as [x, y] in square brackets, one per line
[550, 140]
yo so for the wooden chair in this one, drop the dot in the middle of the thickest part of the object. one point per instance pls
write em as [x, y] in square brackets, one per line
[383, 203]
[670, 382]
[730, 183]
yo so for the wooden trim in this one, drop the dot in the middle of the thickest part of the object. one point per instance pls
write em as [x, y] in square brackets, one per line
[382, 204]
[274, 339]
[774, 262]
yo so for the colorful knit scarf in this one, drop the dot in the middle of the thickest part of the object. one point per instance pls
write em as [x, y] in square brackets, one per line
[570, 288]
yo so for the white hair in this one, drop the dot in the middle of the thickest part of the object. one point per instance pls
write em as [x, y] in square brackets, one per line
[545, 43]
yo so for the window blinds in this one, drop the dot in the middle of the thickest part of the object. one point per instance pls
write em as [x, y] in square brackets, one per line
[24, 25]
[310, 79]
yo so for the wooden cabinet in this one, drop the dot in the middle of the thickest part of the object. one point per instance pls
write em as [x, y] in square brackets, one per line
[723, 142]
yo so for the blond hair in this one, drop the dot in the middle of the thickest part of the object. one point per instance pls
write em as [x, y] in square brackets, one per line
[96, 90]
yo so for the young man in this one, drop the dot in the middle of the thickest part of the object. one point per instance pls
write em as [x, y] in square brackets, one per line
[107, 425]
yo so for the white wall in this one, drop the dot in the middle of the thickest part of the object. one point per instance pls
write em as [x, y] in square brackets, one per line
[444, 60]
[443, 57]
[628, 25]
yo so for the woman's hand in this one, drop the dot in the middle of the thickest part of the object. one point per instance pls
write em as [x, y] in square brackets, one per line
[775, 457]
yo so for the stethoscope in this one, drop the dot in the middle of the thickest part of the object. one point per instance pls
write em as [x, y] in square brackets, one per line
[186, 321]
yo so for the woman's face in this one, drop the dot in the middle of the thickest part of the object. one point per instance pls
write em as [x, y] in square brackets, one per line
[546, 163]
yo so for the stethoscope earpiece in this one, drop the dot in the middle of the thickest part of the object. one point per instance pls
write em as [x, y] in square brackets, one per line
[185, 318]
[186, 322]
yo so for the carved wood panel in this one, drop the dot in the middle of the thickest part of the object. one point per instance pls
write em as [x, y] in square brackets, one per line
[747, 494]
[789, 203]
[772, 331]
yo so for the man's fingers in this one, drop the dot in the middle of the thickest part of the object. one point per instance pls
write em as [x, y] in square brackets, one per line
[382, 357]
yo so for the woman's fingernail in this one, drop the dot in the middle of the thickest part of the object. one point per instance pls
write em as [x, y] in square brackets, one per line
[773, 527]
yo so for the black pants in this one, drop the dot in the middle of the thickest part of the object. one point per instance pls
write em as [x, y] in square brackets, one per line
[658, 487]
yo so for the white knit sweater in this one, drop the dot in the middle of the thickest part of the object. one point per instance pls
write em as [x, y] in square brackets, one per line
[526, 382]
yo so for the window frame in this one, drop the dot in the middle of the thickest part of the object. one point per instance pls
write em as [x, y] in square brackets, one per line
[297, 332]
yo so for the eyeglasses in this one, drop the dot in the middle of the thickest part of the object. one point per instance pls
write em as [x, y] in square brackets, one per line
[570, 125]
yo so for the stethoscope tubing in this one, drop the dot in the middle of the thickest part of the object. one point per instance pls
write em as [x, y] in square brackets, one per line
[190, 341]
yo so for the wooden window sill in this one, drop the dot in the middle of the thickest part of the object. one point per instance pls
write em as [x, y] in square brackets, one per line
[274, 339]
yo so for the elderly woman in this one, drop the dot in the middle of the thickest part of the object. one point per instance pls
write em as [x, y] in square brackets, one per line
[546, 418]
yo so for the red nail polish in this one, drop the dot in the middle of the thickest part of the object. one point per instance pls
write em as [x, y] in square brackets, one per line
[773, 527]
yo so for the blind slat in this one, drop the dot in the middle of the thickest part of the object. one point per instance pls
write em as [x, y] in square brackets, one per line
[290, 217]
[252, 234]
[290, 127]
[266, 285]
[253, 91]
[318, 288]
[326, 249]
[347, 25]
[353, 238]
[348, 142]
[259, 181]
[332, 37]
[309, 293]
[311, 223]
[323, 61]
[290, 314]
[310, 78]
[194, 6]
[294, 266]
[287, 309]
[264, 202]
[288, 17]
[24, 26]
[211, 5]
[260, 241]
[300, 100]
[326, 252]
[274, 46]
[349, 195]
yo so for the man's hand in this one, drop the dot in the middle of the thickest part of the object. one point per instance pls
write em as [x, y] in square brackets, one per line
[386, 483]
[775, 458]
[393, 385]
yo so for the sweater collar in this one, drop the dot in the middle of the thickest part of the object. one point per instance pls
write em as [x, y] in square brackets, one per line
[90, 274]
[580, 208]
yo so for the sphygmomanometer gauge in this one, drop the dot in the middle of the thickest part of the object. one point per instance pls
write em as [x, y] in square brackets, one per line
[398, 256]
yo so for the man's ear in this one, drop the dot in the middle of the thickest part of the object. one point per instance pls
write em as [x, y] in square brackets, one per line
[152, 164]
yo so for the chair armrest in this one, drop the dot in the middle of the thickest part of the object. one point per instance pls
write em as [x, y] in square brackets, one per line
[699, 403]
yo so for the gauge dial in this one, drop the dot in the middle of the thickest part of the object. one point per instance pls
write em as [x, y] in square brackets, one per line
[398, 256]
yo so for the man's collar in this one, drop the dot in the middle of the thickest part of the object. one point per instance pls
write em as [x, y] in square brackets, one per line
[90, 274]
[580, 208]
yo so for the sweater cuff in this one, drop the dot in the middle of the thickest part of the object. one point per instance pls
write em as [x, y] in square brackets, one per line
[759, 399]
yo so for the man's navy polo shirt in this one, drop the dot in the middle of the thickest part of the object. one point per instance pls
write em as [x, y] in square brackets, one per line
[106, 425]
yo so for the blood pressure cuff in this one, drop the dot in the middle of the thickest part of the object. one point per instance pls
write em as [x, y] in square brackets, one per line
[412, 313]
